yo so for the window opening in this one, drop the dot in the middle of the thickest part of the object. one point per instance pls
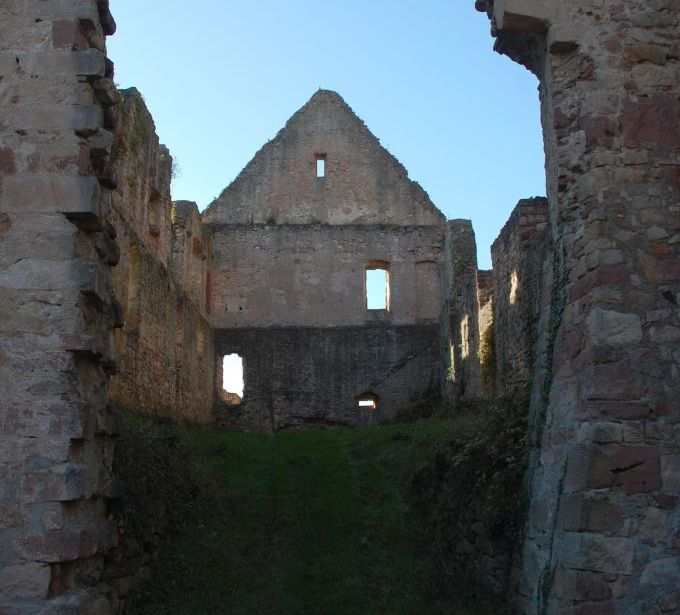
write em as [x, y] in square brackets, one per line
[367, 403]
[232, 378]
[367, 407]
[377, 288]
[321, 165]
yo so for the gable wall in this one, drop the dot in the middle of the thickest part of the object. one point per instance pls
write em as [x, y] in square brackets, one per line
[364, 183]
[287, 253]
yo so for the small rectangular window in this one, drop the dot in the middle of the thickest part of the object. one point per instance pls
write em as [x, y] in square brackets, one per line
[321, 165]
[377, 285]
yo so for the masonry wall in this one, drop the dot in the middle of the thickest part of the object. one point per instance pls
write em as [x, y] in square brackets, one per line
[519, 255]
[311, 376]
[460, 316]
[56, 312]
[165, 342]
[288, 253]
[299, 275]
[602, 534]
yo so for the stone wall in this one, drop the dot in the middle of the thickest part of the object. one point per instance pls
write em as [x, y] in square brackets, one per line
[460, 317]
[363, 183]
[288, 251]
[189, 266]
[165, 343]
[312, 276]
[56, 312]
[603, 528]
[333, 367]
[518, 256]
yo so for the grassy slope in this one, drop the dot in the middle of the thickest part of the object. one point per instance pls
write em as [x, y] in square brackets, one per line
[307, 522]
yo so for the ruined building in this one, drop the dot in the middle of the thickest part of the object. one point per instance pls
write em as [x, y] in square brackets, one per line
[291, 242]
[111, 295]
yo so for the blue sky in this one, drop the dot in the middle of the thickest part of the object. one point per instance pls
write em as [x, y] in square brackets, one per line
[221, 77]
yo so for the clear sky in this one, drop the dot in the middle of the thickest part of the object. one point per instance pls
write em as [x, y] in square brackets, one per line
[221, 77]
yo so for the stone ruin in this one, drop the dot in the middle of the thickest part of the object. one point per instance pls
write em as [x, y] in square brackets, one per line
[111, 296]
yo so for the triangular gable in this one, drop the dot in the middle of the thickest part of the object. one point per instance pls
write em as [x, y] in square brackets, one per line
[363, 182]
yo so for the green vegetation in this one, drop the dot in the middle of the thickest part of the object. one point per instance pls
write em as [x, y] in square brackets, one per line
[487, 359]
[337, 521]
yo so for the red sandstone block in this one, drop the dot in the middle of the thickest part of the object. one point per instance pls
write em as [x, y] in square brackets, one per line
[652, 122]
[660, 269]
[636, 469]
[25, 580]
[608, 275]
[612, 382]
[600, 131]
[7, 162]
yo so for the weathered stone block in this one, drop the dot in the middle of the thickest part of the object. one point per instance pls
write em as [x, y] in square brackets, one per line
[634, 468]
[83, 119]
[597, 553]
[28, 580]
[62, 483]
[601, 433]
[580, 514]
[7, 162]
[652, 121]
[662, 573]
[525, 15]
[615, 328]
[653, 523]
[37, 418]
[580, 585]
[76, 197]
[562, 38]
[670, 472]
[619, 409]
[56, 545]
[52, 275]
[90, 63]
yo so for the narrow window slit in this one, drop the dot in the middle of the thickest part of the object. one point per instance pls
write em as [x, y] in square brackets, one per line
[321, 165]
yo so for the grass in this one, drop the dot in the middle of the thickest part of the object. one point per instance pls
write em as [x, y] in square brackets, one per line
[321, 522]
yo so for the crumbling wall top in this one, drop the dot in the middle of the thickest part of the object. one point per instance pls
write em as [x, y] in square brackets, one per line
[324, 167]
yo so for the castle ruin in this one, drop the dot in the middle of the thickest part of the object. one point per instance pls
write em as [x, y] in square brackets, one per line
[111, 295]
